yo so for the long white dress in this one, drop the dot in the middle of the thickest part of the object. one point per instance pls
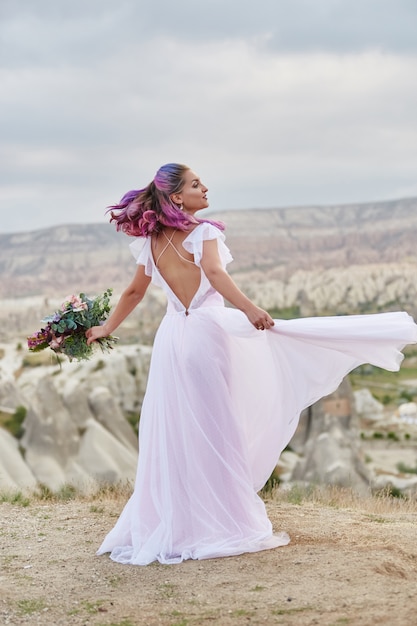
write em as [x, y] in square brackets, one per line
[222, 402]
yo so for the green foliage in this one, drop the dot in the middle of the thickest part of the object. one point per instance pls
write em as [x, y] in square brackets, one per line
[92, 607]
[271, 484]
[76, 347]
[389, 388]
[96, 509]
[14, 423]
[285, 313]
[393, 436]
[389, 491]
[99, 365]
[386, 399]
[65, 493]
[133, 419]
[44, 493]
[16, 497]
[406, 396]
[406, 469]
[27, 607]
[298, 493]
[242, 613]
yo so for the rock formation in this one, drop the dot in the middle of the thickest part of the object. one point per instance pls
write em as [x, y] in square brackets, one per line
[75, 430]
[328, 440]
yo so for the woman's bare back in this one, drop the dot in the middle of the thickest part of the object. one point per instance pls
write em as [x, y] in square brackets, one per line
[175, 264]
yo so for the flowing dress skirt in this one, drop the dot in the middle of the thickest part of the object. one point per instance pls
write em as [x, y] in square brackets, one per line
[222, 402]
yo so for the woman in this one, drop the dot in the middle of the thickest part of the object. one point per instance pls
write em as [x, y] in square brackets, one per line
[226, 385]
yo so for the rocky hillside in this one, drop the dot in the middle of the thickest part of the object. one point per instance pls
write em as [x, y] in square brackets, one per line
[59, 258]
[305, 260]
[323, 237]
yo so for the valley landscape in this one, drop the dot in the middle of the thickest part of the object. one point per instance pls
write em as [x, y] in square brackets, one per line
[296, 262]
[353, 556]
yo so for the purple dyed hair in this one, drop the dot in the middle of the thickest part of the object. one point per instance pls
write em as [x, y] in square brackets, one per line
[142, 212]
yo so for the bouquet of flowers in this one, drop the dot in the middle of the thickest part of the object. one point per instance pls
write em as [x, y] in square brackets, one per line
[64, 331]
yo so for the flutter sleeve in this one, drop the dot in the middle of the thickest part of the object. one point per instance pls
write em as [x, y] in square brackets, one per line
[141, 250]
[204, 232]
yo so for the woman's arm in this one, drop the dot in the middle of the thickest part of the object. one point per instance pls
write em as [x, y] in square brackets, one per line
[223, 283]
[129, 299]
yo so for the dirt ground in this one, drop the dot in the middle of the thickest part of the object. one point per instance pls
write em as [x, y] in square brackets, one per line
[344, 565]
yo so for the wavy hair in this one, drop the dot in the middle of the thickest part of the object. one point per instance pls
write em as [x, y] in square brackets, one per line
[142, 212]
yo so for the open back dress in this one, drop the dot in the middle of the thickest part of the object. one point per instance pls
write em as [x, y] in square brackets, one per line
[222, 401]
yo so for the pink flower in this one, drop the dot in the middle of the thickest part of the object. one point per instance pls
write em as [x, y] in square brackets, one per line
[75, 303]
[37, 339]
[55, 342]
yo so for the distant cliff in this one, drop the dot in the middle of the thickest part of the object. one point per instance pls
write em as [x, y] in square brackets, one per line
[310, 260]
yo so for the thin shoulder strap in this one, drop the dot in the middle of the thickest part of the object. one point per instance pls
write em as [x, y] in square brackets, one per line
[169, 243]
[169, 240]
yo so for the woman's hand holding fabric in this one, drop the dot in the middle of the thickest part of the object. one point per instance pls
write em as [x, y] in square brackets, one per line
[259, 318]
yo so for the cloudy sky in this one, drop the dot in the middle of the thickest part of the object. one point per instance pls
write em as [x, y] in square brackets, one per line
[273, 102]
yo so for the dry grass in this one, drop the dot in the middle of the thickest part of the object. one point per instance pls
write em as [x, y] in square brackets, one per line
[117, 493]
[331, 496]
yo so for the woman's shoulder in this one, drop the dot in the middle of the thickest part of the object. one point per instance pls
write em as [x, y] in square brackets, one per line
[140, 247]
[203, 231]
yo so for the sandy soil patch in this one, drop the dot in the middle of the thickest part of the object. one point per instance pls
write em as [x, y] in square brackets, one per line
[343, 566]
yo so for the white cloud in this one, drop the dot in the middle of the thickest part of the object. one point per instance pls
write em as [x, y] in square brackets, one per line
[95, 110]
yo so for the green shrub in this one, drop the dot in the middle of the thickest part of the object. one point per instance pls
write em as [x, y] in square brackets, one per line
[133, 419]
[378, 435]
[406, 395]
[15, 423]
[99, 365]
[15, 498]
[271, 484]
[406, 469]
[386, 399]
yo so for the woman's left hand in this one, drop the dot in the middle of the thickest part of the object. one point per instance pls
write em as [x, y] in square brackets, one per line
[259, 318]
[96, 332]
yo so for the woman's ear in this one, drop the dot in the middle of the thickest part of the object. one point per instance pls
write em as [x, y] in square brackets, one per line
[176, 198]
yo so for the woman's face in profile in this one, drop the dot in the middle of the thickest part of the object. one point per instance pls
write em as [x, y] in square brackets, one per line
[193, 195]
